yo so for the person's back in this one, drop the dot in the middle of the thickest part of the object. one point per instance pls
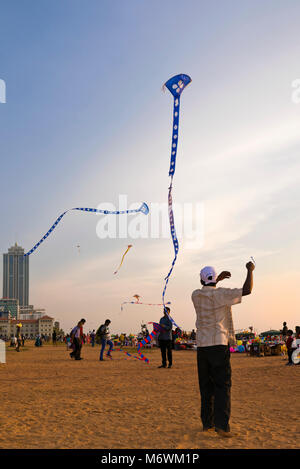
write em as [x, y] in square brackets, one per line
[165, 334]
[214, 318]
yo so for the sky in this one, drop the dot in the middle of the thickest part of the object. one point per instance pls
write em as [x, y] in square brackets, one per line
[86, 120]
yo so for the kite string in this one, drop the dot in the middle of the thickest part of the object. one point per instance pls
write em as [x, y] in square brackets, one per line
[139, 303]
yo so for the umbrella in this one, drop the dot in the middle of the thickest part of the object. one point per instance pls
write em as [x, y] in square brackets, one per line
[271, 332]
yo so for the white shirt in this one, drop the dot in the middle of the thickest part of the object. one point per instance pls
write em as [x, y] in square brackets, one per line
[76, 332]
[214, 317]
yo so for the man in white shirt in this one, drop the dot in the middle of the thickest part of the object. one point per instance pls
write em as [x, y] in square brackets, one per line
[215, 333]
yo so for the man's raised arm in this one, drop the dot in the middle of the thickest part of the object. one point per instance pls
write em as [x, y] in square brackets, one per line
[248, 285]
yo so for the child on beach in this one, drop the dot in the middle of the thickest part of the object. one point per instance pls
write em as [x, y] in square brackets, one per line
[68, 341]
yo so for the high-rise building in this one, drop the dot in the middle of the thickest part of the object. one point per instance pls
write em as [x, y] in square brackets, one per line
[16, 275]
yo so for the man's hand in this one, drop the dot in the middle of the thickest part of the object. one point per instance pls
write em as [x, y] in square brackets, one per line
[250, 266]
[223, 275]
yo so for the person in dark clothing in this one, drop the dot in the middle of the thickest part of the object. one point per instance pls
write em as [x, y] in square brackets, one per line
[165, 339]
[18, 336]
[77, 338]
[104, 337]
[54, 338]
[92, 336]
[290, 350]
[284, 330]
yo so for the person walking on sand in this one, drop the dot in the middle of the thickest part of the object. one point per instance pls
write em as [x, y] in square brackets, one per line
[77, 338]
[165, 339]
[105, 338]
[92, 337]
[18, 337]
[215, 334]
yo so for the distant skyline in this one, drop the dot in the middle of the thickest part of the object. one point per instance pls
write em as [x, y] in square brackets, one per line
[16, 275]
[85, 121]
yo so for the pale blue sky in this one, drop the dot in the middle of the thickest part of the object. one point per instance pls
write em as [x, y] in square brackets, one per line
[86, 120]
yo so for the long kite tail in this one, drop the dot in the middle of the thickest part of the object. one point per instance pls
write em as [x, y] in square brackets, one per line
[156, 329]
[143, 209]
[129, 246]
[128, 355]
[176, 86]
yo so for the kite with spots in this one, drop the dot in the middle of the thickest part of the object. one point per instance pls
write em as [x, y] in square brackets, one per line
[143, 209]
[175, 85]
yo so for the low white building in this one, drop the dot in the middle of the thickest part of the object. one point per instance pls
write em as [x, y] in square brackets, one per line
[30, 327]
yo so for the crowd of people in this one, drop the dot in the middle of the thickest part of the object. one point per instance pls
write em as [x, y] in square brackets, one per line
[213, 339]
[175, 339]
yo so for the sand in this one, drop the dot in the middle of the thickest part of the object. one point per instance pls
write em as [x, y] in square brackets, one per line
[50, 401]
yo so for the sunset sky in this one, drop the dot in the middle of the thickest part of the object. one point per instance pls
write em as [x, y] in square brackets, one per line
[86, 120]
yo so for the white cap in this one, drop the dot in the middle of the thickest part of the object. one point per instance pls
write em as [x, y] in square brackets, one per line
[208, 275]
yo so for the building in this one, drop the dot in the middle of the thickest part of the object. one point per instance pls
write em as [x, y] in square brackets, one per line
[30, 327]
[32, 313]
[16, 275]
[11, 306]
[5, 315]
[28, 309]
[14, 306]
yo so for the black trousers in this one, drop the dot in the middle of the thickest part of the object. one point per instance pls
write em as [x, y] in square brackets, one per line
[77, 350]
[166, 346]
[214, 373]
[290, 353]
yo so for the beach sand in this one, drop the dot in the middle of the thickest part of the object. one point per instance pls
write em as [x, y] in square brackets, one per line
[51, 401]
